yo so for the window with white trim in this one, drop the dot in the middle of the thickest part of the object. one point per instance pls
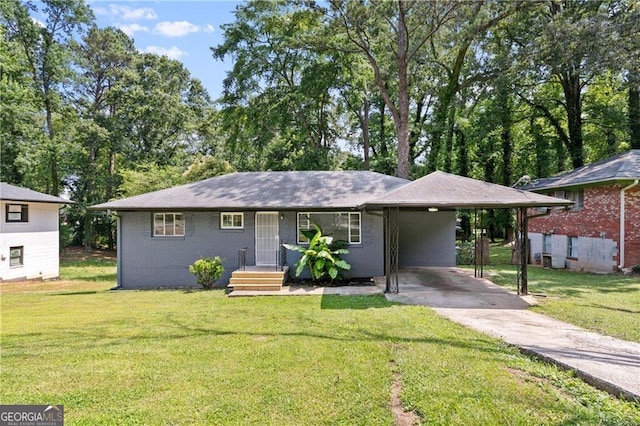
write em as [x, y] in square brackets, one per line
[17, 213]
[16, 256]
[232, 220]
[168, 225]
[340, 225]
[572, 247]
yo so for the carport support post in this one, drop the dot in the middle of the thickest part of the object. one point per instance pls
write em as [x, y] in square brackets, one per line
[392, 228]
[523, 243]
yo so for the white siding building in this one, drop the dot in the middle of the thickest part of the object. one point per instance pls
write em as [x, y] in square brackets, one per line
[29, 234]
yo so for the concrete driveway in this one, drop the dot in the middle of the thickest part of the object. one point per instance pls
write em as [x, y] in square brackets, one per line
[607, 363]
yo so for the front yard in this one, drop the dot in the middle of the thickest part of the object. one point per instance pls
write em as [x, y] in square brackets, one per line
[199, 357]
[607, 304]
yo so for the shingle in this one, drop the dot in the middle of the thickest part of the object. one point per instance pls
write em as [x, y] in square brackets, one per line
[447, 191]
[624, 166]
[267, 190]
[16, 193]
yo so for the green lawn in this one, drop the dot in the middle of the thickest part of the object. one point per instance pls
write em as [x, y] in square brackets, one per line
[608, 304]
[179, 357]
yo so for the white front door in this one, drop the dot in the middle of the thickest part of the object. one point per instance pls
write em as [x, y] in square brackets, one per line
[267, 239]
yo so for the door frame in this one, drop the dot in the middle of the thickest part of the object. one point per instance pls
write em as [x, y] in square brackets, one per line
[272, 261]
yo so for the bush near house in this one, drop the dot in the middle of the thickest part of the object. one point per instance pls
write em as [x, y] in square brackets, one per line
[207, 271]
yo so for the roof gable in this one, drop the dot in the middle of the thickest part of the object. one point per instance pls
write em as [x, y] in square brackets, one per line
[267, 190]
[445, 190]
[16, 193]
[624, 166]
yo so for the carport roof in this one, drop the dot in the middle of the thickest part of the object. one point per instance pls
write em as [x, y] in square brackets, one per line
[447, 191]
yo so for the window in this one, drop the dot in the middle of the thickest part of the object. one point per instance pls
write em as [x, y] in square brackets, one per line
[16, 256]
[232, 221]
[572, 248]
[339, 225]
[168, 225]
[17, 213]
[577, 197]
[546, 243]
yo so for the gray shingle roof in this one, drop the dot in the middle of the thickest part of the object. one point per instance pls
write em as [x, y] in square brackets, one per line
[624, 166]
[267, 190]
[447, 191]
[16, 193]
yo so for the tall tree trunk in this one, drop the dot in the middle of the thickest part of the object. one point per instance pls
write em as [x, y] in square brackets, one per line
[463, 170]
[366, 140]
[449, 140]
[402, 119]
[53, 149]
[634, 116]
[571, 86]
[540, 147]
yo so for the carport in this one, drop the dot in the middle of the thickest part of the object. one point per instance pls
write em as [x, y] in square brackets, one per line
[440, 191]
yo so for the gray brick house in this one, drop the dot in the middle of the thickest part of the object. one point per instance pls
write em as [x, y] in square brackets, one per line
[161, 233]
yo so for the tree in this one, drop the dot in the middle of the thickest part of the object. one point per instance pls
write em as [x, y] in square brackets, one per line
[277, 103]
[568, 43]
[159, 110]
[102, 59]
[19, 113]
[46, 49]
[390, 35]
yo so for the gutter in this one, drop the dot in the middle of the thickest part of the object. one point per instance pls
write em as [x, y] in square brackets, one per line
[622, 233]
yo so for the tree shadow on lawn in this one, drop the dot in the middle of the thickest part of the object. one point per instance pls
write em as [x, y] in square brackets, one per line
[333, 301]
[610, 308]
[341, 334]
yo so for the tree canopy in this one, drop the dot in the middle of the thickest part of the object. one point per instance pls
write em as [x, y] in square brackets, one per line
[488, 89]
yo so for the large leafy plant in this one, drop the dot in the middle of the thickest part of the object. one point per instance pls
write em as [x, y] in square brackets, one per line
[321, 256]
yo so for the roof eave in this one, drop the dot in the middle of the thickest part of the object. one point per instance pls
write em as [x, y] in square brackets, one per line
[582, 184]
[22, 200]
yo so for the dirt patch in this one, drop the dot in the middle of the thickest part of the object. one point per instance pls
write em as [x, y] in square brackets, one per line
[401, 416]
[77, 254]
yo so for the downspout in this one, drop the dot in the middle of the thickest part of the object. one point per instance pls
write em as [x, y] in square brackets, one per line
[622, 233]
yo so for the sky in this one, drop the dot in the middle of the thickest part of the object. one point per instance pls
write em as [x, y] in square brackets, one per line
[181, 30]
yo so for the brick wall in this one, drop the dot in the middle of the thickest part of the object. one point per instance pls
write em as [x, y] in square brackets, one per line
[599, 218]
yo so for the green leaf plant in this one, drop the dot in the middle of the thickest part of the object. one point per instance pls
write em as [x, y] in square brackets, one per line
[207, 271]
[321, 256]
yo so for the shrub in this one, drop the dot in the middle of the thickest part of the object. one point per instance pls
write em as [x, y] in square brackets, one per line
[207, 271]
[636, 269]
[322, 256]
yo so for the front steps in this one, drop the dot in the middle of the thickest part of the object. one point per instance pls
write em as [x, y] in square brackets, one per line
[258, 278]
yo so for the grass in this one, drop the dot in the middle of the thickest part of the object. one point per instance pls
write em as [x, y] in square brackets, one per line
[199, 357]
[607, 304]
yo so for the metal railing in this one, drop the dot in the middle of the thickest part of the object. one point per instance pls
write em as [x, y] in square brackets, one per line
[242, 259]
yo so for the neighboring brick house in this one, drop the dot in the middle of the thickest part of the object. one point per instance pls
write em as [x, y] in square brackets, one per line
[601, 232]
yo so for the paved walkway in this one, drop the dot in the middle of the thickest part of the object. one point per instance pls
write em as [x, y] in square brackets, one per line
[607, 363]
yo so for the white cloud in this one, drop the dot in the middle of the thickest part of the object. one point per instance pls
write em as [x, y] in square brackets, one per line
[180, 28]
[37, 22]
[171, 53]
[127, 13]
[131, 29]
